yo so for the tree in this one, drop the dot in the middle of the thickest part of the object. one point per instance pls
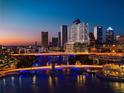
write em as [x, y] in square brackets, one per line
[26, 61]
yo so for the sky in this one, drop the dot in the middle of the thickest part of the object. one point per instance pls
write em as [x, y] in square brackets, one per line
[21, 21]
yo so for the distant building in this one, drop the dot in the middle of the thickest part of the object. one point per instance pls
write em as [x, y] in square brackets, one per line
[98, 34]
[78, 37]
[50, 44]
[117, 37]
[59, 39]
[64, 36]
[54, 41]
[110, 36]
[92, 39]
[120, 43]
[44, 39]
[120, 39]
[78, 32]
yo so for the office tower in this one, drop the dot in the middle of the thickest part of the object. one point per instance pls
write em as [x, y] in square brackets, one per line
[44, 39]
[78, 37]
[64, 31]
[78, 32]
[98, 34]
[110, 36]
[54, 41]
[59, 39]
[92, 39]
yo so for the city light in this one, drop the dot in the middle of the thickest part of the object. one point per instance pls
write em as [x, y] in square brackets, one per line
[61, 46]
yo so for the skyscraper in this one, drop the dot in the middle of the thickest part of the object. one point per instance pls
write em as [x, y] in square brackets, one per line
[54, 41]
[78, 37]
[92, 39]
[64, 32]
[44, 39]
[78, 32]
[110, 36]
[98, 34]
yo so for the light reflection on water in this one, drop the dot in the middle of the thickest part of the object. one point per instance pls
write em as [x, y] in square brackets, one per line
[118, 87]
[81, 80]
[13, 81]
[52, 84]
[4, 81]
[20, 81]
[34, 80]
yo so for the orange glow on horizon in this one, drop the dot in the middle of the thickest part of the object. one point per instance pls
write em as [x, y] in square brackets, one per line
[15, 41]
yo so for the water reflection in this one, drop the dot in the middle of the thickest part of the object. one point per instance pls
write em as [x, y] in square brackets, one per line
[35, 87]
[4, 82]
[52, 82]
[58, 84]
[34, 80]
[81, 80]
[118, 87]
[12, 79]
[20, 81]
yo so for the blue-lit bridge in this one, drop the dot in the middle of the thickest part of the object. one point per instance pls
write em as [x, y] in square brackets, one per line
[3, 73]
[107, 56]
[99, 56]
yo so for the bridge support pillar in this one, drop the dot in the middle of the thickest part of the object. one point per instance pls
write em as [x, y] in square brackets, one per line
[53, 65]
[67, 60]
[53, 62]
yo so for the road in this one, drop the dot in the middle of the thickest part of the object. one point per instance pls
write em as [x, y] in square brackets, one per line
[3, 73]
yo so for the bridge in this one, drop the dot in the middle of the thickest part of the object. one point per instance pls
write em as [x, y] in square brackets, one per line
[4, 73]
[107, 56]
[69, 53]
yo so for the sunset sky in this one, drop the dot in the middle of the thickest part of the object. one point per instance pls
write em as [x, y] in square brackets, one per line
[21, 21]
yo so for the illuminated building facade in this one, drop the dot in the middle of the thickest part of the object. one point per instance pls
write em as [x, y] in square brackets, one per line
[110, 36]
[78, 37]
[78, 32]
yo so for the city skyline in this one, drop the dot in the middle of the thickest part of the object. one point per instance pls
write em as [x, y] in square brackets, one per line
[23, 20]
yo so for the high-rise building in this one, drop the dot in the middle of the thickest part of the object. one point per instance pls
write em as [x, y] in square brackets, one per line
[92, 39]
[78, 37]
[110, 36]
[78, 32]
[59, 39]
[54, 41]
[44, 39]
[98, 34]
[64, 32]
